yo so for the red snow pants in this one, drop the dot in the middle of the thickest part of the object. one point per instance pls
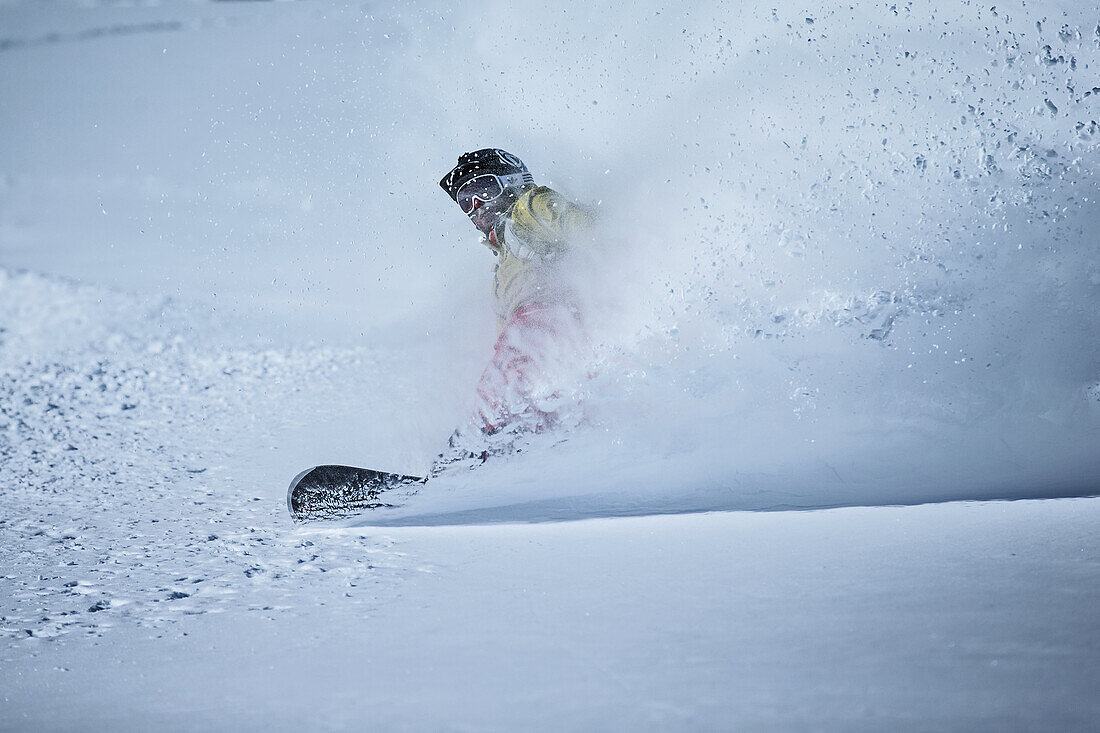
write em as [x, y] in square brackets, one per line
[537, 346]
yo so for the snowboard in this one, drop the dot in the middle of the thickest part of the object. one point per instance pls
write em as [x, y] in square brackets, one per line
[336, 492]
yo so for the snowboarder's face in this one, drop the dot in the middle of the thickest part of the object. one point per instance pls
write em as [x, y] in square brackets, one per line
[485, 198]
[486, 215]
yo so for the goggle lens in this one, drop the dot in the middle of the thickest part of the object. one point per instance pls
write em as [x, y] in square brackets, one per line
[484, 188]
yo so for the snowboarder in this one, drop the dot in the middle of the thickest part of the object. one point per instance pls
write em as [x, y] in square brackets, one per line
[531, 230]
[534, 232]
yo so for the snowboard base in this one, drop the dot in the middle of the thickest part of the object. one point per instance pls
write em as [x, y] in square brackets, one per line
[335, 492]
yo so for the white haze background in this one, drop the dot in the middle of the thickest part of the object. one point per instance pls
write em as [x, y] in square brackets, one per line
[849, 254]
[853, 236]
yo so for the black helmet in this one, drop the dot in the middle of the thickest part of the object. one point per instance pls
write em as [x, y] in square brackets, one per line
[488, 160]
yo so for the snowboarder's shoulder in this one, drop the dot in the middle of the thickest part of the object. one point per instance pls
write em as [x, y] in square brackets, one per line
[542, 206]
[537, 202]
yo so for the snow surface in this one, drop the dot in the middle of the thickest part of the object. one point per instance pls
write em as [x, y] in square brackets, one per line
[848, 259]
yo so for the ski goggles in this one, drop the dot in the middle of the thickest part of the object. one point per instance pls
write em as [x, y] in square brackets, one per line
[485, 188]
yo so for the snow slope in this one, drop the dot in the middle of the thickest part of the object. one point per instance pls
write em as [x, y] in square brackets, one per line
[849, 259]
[931, 618]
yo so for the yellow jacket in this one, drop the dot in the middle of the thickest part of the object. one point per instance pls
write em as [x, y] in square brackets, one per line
[534, 236]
